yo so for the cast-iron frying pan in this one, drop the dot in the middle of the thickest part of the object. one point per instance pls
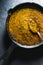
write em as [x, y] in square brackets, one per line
[14, 44]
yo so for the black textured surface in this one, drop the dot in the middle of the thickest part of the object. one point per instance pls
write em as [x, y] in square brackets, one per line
[19, 56]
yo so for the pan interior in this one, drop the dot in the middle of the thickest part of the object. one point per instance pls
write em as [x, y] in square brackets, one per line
[17, 8]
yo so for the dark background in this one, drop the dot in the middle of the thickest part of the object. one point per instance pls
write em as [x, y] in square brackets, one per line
[19, 56]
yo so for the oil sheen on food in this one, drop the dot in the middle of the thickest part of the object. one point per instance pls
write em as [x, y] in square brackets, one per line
[19, 26]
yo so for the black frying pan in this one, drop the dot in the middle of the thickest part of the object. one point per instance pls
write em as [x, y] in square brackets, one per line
[14, 44]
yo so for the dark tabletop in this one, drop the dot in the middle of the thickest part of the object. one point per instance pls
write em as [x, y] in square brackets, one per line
[19, 56]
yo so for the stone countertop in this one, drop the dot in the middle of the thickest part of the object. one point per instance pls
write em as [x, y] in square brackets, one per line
[22, 57]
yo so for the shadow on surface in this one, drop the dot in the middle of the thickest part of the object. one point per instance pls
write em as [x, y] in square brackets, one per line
[22, 54]
[27, 55]
[6, 40]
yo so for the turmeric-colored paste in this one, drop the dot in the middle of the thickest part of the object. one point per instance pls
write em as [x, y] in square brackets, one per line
[19, 26]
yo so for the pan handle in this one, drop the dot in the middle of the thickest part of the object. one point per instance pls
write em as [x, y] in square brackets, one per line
[7, 54]
[10, 11]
